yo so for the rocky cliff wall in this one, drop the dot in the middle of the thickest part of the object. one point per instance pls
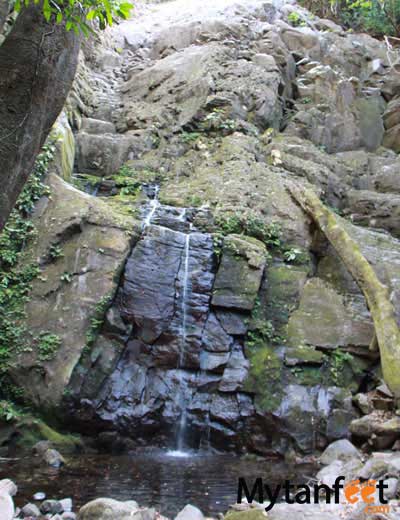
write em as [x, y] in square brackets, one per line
[231, 311]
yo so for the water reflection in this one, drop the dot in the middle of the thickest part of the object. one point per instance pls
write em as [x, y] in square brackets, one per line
[162, 480]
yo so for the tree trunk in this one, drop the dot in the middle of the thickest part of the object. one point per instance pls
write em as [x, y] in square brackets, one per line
[376, 294]
[37, 65]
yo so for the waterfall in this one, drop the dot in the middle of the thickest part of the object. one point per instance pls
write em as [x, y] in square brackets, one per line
[169, 230]
[185, 282]
[180, 441]
[154, 204]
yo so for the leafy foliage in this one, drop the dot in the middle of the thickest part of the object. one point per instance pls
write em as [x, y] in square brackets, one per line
[8, 411]
[295, 19]
[261, 331]
[15, 281]
[55, 252]
[77, 14]
[48, 345]
[126, 182]
[339, 359]
[379, 17]
[97, 320]
[252, 226]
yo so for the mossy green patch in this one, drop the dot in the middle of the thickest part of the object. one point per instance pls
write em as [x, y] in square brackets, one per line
[251, 514]
[15, 280]
[264, 378]
[34, 430]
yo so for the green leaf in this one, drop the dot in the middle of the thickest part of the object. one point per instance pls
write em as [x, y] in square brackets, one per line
[91, 15]
[46, 10]
[59, 17]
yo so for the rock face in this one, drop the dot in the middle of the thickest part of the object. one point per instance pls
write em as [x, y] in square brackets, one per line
[178, 358]
[229, 316]
[82, 249]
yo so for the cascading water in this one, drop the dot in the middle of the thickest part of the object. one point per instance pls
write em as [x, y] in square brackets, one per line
[180, 370]
[154, 204]
[183, 333]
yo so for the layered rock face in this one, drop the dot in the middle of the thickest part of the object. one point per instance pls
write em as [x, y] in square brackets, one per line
[232, 315]
[182, 319]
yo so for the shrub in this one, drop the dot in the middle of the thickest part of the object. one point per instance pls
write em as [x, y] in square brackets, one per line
[378, 17]
[77, 13]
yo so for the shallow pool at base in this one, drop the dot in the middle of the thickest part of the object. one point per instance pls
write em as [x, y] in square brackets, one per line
[166, 481]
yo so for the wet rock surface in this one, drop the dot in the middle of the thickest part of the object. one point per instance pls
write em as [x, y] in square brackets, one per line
[178, 358]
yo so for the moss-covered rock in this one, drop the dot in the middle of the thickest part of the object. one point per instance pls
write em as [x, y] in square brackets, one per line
[251, 514]
[26, 430]
[240, 272]
[323, 319]
[63, 138]
[81, 248]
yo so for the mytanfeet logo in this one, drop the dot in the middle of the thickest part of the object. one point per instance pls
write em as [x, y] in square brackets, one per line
[370, 492]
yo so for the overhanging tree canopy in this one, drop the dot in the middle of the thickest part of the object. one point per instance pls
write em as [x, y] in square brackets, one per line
[38, 60]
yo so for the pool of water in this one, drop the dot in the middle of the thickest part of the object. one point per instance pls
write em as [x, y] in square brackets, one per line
[166, 481]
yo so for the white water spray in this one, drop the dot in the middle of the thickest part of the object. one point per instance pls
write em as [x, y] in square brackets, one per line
[154, 204]
[183, 337]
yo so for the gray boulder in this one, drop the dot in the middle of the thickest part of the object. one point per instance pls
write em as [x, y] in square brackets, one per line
[51, 506]
[53, 458]
[190, 512]
[30, 510]
[108, 509]
[7, 490]
[340, 450]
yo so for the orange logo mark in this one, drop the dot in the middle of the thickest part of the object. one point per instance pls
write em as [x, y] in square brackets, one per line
[355, 490]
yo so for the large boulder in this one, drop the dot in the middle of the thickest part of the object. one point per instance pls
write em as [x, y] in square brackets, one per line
[239, 276]
[325, 320]
[339, 450]
[190, 512]
[82, 247]
[109, 509]
[7, 490]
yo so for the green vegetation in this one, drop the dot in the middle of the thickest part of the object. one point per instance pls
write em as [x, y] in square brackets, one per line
[66, 277]
[9, 412]
[85, 182]
[295, 255]
[189, 137]
[295, 19]
[261, 330]
[338, 361]
[97, 320]
[380, 17]
[55, 252]
[270, 234]
[214, 123]
[250, 225]
[15, 281]
[48, 345]
[126, 181]
[77, 14]
[217, 120]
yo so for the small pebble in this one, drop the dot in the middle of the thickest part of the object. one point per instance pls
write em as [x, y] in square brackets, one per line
[30, 510]
[68, 516]
[39, 496]
[51, 506]
[66, 504]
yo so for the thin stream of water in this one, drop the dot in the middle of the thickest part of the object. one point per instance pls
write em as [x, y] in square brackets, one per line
[185, 289]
